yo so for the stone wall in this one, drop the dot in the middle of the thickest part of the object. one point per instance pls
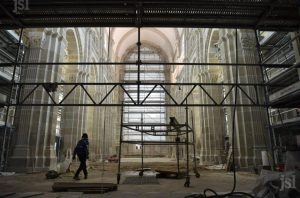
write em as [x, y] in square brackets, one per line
[212, 124]
[37, 127]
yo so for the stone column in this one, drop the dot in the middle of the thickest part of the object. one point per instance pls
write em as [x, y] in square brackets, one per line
[91, 124]
[210, 120]
[61, 58]
[197, 126]
[34, 145]
[250, 122]
[73, 116]
[204, 122]
[98, 127]
[49, 151]
[216, 120]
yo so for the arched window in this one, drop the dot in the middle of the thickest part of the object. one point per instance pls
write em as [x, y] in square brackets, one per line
[148, 73]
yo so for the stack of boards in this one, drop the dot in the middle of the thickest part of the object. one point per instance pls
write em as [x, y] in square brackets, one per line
[84, 187]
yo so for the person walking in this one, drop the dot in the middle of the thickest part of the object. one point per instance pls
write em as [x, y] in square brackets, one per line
[82, 151]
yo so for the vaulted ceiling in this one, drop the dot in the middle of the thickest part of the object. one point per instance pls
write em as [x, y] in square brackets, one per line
[164, 39]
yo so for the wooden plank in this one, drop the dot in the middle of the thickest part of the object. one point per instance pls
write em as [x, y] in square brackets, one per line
[6, 194]
[26, 194]
[91, 191]
[82, 187]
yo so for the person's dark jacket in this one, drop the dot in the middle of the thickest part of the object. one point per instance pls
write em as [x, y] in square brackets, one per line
[82, 149]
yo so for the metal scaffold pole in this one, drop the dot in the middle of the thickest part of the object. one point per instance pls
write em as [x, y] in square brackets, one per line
[270, 134]
[139, 66]
[120, 146]
[105, 63]
[5, 144]
[142, 150]
[187, 181]
[139, 62]
[177, 152]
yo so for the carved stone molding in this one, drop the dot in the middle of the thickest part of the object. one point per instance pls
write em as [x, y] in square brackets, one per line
[248, 41]
[48, 31]
[60, 37]
[54, 34]
[36, 41]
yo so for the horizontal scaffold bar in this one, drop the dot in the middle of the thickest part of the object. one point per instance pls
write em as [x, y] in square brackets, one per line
[147, 63]
[156, 142]
[137, 105]
[26, 94]
[141, 83]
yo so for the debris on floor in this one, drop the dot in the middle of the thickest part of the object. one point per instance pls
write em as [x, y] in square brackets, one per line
[216, 167]
[64, 167]
[20, 183]
[292, 160]
[113, 158]
[52, 174]
[22, 195]
[278, 184]
[7, 173]
[88, 188]
[170, 174]
[197, 174]
[7, 194]
[144, 169]
[135, 177]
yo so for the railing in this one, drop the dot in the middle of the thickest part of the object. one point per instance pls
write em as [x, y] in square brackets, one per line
[281, 117]
[7, 73]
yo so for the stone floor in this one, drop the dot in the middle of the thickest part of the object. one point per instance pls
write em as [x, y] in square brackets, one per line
[36, 185]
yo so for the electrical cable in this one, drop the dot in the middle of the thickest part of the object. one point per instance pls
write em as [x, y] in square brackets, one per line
[234, 112]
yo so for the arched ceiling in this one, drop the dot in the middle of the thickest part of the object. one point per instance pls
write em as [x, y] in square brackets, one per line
[162, 38]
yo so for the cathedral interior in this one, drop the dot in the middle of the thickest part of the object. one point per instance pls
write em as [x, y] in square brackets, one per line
[201, 84]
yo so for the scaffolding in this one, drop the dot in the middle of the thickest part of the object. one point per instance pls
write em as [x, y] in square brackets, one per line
[50, 87]
[283, 102]
[179, 132]
[255, 15]
[11, 50]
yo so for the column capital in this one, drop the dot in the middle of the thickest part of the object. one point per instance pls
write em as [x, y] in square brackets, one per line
[47, 31]
[60, 37]
[35, 40]
[54, 34]
[229, 35]
[248, 40]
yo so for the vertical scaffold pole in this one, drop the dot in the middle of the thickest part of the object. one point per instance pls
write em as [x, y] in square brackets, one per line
[139, 65]
[3, 156]
[142, 140]
[187, 181]
[194, 149]
[120, 145]
[177, 152]
[139, 62]
[270, 134]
